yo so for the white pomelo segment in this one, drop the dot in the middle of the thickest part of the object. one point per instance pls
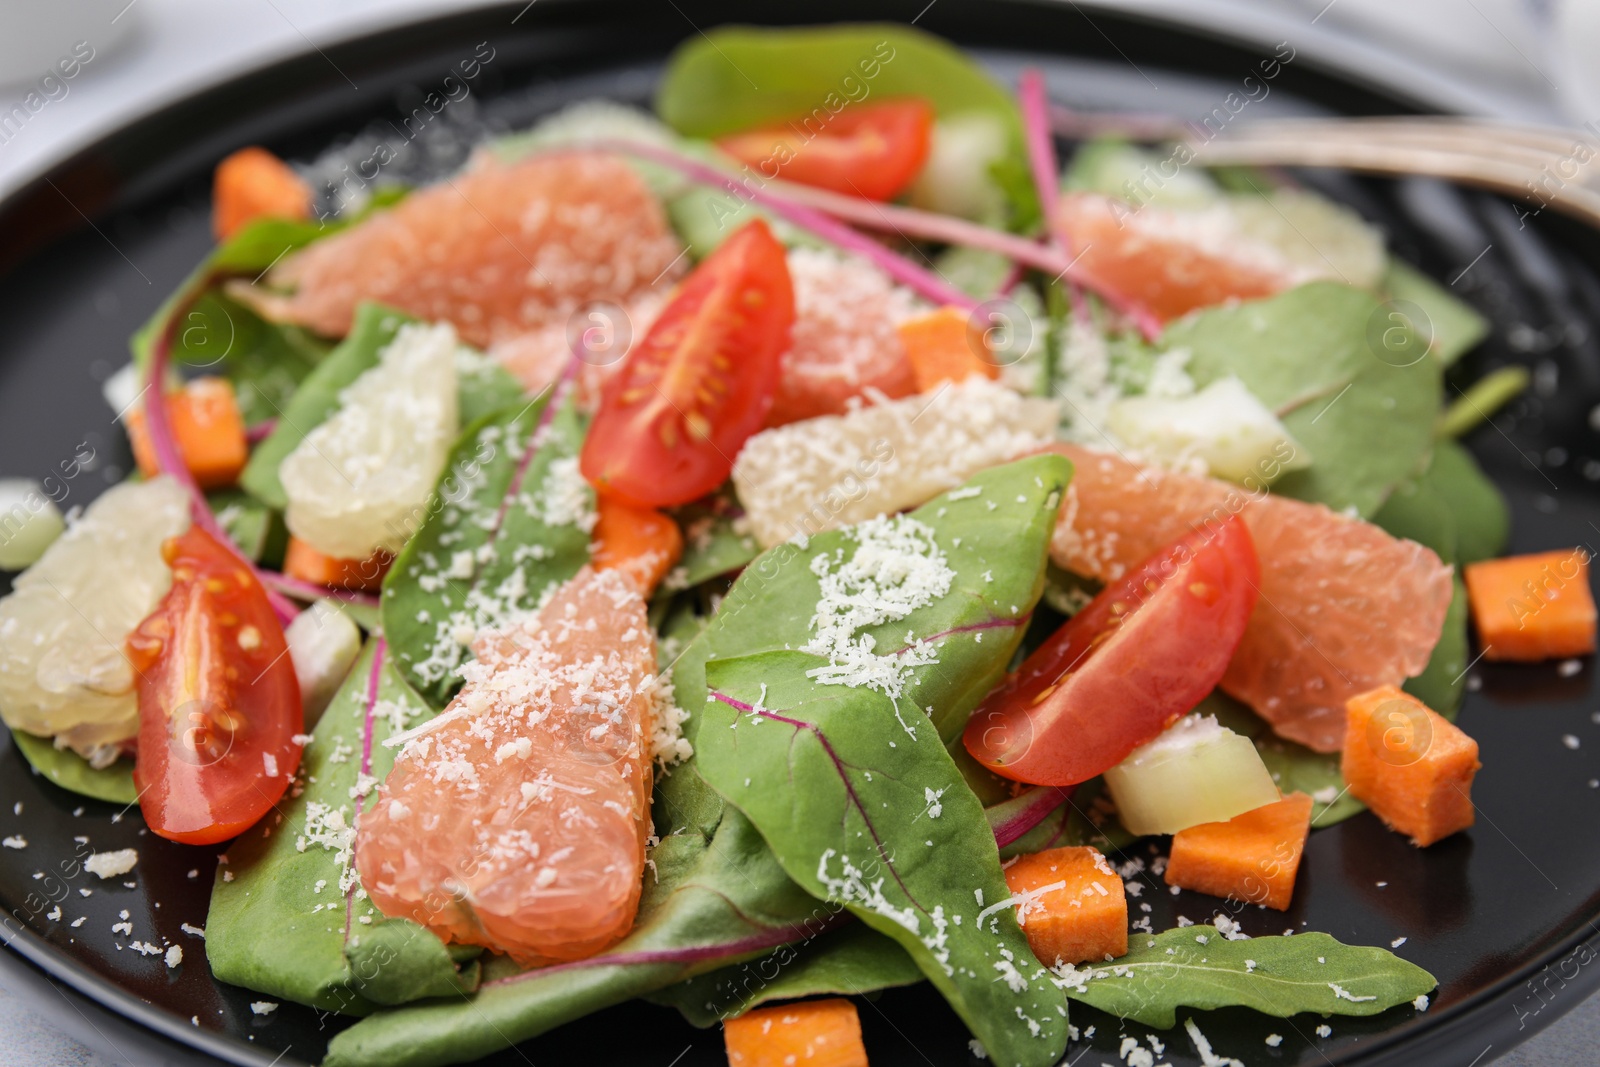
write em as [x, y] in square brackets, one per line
[29, 523]
[360, 482]
[956, 178]
[1224, 425]
[1196, 772]
[824, 473]
[62, 668]
[1318, 236]
[323, 645]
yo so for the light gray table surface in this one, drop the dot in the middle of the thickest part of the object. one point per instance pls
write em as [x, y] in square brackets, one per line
[1506, 57]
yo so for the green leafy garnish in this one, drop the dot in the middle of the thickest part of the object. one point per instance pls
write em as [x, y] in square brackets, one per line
[1349, 382]
[286, 918]
[849, 961]
[72, 772]
[1453, 326]
[504, 525]
[1197, 967]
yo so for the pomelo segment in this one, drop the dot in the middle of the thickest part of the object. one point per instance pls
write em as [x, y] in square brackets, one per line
[498, 251]
[1344, 607]
[1168, 262]
[844, 340]
[517, 819]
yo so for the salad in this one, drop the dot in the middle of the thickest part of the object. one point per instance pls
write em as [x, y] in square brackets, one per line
[779, 546]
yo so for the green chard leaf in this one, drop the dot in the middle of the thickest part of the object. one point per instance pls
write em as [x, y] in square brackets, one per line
[1453, 326]
[287, 916]
[859, 800]
[1349, 382]
[484, 387]
[72, 772]
[714, 543]
[253, 526]
[712, 899]
[1197, 967]
[851, 960]
[510, 518]
[1482, 519]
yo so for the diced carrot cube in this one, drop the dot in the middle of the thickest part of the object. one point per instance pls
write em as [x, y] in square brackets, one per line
[943, 347]
[306, 563]
[808, 1033]
[1533, 607]
[1411, 766]
[253, 184]
[1252, 857]
[642, 542]
[207, 427]
[1075, 908]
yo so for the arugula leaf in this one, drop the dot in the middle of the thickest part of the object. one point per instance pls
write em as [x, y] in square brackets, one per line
[287, 917]
[712, 543]
[72, 772]
[1454, 326]
[1196, 967]
[714, 898]
[500, 530]
[484, 387]
[1313, 355]
[851, 960]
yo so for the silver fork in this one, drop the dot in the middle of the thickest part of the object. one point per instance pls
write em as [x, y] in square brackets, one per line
[1545, 166]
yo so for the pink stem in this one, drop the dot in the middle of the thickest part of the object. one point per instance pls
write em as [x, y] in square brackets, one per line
[1036, 132]
[304, 590]
[260, 431]
[924, 282]
[1013, 818]
[170, 460]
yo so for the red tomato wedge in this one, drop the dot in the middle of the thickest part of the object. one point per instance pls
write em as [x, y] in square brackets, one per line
[866, 150]
[1141, 654]
[219, 705]
[700, 383]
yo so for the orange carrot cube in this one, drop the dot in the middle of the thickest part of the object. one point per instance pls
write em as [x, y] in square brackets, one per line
[808, 1033]
[253, 184]
[207, 427]
[642, 542]
[1411, 766]
[1075, 907]
[943, 347]
[1533, 607]
[1252, 857]
[306, 563]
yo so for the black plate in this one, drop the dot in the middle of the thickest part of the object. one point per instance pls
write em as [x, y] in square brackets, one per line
[1504, 914]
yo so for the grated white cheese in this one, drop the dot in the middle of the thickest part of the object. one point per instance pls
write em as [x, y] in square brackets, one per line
[15, 841]
[111, 864]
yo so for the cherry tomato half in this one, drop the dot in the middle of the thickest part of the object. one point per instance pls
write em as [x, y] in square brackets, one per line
[700, 383]
[219, 705]
[1138, 656]
[866, 150]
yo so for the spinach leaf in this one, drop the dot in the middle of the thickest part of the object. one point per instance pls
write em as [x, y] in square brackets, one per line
[712, 899]
[1294, 767]
[72, 772]
[714, 542]
[1440, 685]
[1482, 519]
[1348, 382]
[253, 526]
[1196, 967]
[851, 960]
[706, 92]
[483, 387]
[287, 916]
[1452, 326]
[509, 518]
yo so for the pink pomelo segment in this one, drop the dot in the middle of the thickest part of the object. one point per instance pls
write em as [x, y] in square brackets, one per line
[499, 251]
[844, 341]
[1162, 262]
[517, 819]
[1344, 607]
